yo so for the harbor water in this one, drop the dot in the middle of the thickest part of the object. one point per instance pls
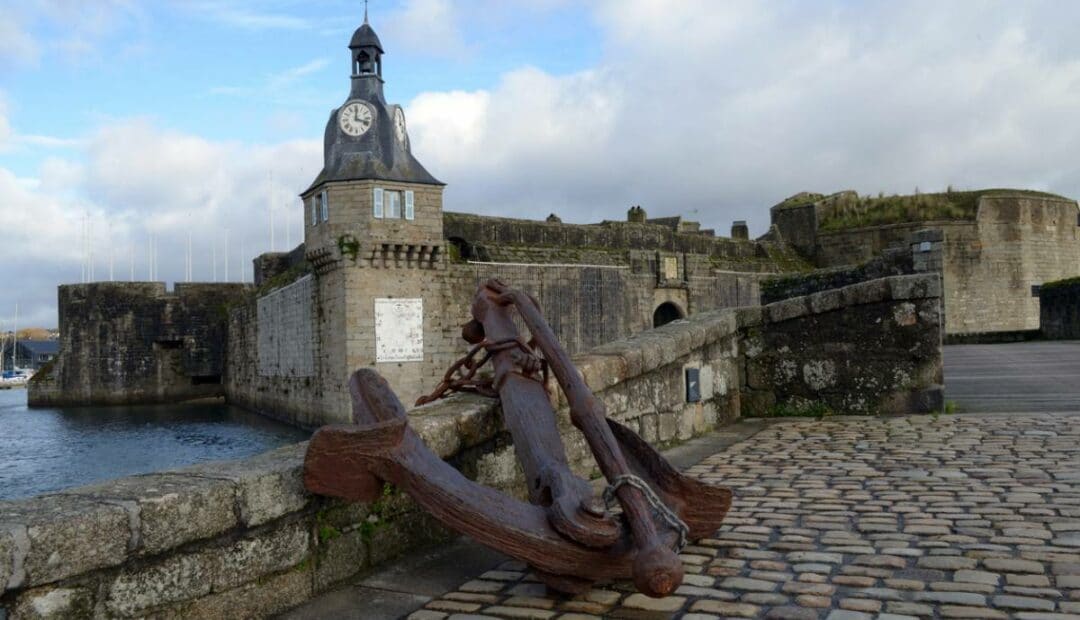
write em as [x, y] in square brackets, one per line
[46, 450]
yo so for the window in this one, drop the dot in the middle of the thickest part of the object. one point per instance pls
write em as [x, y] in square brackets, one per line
[314, 211]
[324, 201]
[392, 204]
[409, 210]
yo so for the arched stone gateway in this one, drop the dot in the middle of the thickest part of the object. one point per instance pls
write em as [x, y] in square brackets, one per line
[666, 313]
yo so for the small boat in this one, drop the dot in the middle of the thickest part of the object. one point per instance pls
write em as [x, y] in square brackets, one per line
[15, 378]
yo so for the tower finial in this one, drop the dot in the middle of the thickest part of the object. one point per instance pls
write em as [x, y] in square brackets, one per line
[365, 11]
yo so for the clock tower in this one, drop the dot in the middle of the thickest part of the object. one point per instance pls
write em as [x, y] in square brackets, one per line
[373, 234]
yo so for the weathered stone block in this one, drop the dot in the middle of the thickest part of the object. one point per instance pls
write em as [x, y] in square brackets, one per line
[786, 310]
[865, 292]
[338, 558]
[268, 486]
[390, 539]
[7, 557]
[655, 351]
[258, 599]
[54, 604]
[63, 536]
[915, 286]
[251, 558]
[177, 578]
[749, 317]
[825, 301]
[668, 426]
[601, 371]
[172, 508]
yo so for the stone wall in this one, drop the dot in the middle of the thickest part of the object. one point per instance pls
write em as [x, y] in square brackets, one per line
[585, 305]
[891, 262]
[991, 267]
[126, 343]
[990, 263]
[243, 538]
[1059, 310]
[871, 347]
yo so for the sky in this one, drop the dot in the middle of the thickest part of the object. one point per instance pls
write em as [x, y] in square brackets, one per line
[126, 120]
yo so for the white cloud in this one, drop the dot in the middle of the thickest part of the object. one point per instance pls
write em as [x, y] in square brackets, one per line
[72, 28]
[232, 14]
[427, 27]
[5, 126]
[716, 110]
[132, 178]
[17, 46]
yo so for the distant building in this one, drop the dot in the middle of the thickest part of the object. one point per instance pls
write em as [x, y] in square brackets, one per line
[31, 354]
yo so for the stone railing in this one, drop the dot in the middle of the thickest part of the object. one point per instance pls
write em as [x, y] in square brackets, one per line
[244, 539]
[870, 347]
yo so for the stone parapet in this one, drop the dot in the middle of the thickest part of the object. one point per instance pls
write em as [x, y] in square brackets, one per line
[870, 347]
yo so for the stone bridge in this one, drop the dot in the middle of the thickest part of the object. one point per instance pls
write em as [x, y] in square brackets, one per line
[973, 515]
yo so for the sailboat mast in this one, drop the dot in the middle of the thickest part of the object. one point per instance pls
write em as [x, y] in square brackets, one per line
[15, 341]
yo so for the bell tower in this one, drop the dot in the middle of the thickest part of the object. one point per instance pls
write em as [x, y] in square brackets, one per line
[373, 234]
[366, 51]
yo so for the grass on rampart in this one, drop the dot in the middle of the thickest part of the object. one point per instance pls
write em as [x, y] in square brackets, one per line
[1059, 284]
[848, 210]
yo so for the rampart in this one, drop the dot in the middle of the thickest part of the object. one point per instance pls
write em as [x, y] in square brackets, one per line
[586, 305]
[243, 539]
[999, 245]
[133, 342]
[1059, 309]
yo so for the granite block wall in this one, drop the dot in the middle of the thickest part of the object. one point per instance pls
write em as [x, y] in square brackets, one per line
[989, 264]
[129, 343]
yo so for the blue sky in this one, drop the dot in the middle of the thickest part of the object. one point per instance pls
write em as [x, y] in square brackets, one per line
[261, 72]
[126, 121]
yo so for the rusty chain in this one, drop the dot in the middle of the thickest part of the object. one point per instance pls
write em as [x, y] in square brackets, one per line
[461, 376]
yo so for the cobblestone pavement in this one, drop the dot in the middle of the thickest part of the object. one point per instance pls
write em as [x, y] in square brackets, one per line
[846, 518]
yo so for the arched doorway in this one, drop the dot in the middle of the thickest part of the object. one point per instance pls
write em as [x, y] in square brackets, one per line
[666, 313]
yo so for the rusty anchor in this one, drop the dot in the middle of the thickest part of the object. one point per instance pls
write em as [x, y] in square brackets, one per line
[565, 533]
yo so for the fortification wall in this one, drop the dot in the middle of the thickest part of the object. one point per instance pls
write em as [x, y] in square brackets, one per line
[244, 539]
[306, 331]
[127, 343]
[990, 268]
[858, 246]
[989, 265]
[1059, 310]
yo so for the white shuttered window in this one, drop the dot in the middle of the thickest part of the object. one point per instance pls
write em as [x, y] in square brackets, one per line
[392, 202]
[409, 209]
[378, 202]
[314, 211]
[324, 200]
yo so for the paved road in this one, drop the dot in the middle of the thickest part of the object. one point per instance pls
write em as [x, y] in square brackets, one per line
[963, 516]
[1023, 376]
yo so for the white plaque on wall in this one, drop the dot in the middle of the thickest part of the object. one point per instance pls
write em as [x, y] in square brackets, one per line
[399, 330]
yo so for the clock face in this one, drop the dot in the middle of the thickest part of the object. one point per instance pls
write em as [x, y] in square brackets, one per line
[399, 125]
[355, 118]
